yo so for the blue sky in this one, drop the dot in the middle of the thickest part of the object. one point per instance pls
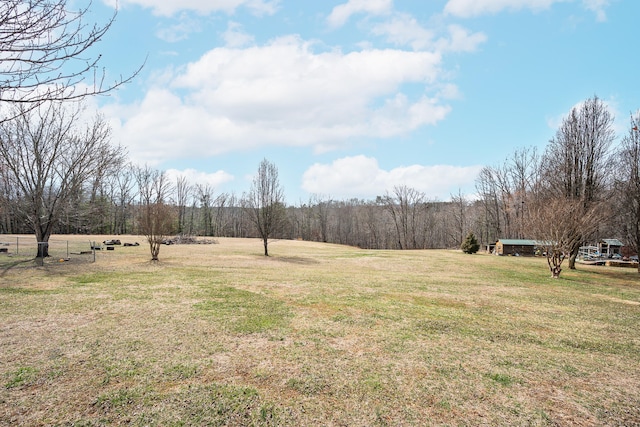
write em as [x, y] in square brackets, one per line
[349, 98]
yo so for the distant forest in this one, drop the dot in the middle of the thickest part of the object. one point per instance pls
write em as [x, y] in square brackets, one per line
[583, 187]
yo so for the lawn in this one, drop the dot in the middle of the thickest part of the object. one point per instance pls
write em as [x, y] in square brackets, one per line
[316, 334]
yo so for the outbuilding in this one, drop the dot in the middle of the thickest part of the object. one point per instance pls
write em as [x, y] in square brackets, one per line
[609, 247]
[516, 247]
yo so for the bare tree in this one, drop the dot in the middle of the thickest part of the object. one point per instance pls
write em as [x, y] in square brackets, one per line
[47, 158]
[504, 191]
[629, 185]
[205, 196]
[459, 206]
[322, 204]
[124, 197]
[264, 203]
[557, 224]
[488, 192]
[183, 190]
[406, 206]
[156, 217]
[577, 160]
[45, 49]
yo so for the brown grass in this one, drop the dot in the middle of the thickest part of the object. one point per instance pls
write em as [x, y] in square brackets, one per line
[316, 334]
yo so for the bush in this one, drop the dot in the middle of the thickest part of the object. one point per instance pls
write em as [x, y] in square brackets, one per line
[470, 244]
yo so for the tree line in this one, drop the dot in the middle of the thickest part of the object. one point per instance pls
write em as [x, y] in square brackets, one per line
[57, 176]
[61, 174]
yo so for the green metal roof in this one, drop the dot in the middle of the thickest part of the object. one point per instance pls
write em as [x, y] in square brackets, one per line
[518, 242]
[613, 242]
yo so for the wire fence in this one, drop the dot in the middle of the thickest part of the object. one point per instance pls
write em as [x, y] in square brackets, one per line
[15, 250]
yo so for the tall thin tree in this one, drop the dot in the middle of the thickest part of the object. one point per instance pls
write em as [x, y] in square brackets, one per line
[264, 203]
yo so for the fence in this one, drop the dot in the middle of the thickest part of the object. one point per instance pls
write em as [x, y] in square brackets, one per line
[16, 250]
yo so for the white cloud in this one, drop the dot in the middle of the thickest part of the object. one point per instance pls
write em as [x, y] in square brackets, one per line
[361, 176]
[460, 40]
[597, 7]
[279, 94]
[235, 36]
[215, 179]
[341, 13]
[403, 29]
[180, 30]
[171, 7]
[470, 8]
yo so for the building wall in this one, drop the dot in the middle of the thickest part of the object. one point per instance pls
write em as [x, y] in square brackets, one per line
[502, 249]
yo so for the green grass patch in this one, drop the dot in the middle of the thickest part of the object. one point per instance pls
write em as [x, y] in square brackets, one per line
[22, 376]
[244, 312]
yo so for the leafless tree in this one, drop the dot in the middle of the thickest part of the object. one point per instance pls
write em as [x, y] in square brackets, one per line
[488, 192]
[504, 191]
[46, 53]
[459, 205]
[322, 204]
[628, 185]
[204, 193]
[156, 217]
[557, 223]
[264, 203]
[47, 158]
[124, 196]
[183, 191]
[577, 160]
[406, 206]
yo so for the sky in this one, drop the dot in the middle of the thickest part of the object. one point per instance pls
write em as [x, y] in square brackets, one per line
[349, 98]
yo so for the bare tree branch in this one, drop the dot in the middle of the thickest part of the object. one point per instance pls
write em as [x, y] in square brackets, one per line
[45, 53]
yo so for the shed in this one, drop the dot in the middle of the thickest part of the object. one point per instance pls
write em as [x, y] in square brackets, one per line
[609, 247]
[516, 247]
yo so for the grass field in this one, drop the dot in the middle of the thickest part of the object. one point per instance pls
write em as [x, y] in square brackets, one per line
[317, 334]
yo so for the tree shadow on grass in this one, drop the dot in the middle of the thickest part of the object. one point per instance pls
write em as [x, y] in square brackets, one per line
[5, 268]
[296, 260]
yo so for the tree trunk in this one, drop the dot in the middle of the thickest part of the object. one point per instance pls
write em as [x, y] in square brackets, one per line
[155, 249]
[575, 249]
[42, 240]
[266, 251]
[572, 261]
[555, 262]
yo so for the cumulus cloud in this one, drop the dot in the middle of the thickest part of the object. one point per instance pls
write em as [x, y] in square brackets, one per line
[403, 29]
[282, 93]
[460, 40]
[215, 179]
[341, 13]
[361, 176]
[235, 36]
[171, 7]
[470, 8]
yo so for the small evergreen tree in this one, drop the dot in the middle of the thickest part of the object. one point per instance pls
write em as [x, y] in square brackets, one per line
[470, 244]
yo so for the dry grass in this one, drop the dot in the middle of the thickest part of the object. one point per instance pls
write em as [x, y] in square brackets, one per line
[317, 334]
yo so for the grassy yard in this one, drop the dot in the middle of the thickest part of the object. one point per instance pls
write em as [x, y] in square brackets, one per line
[317, 334]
